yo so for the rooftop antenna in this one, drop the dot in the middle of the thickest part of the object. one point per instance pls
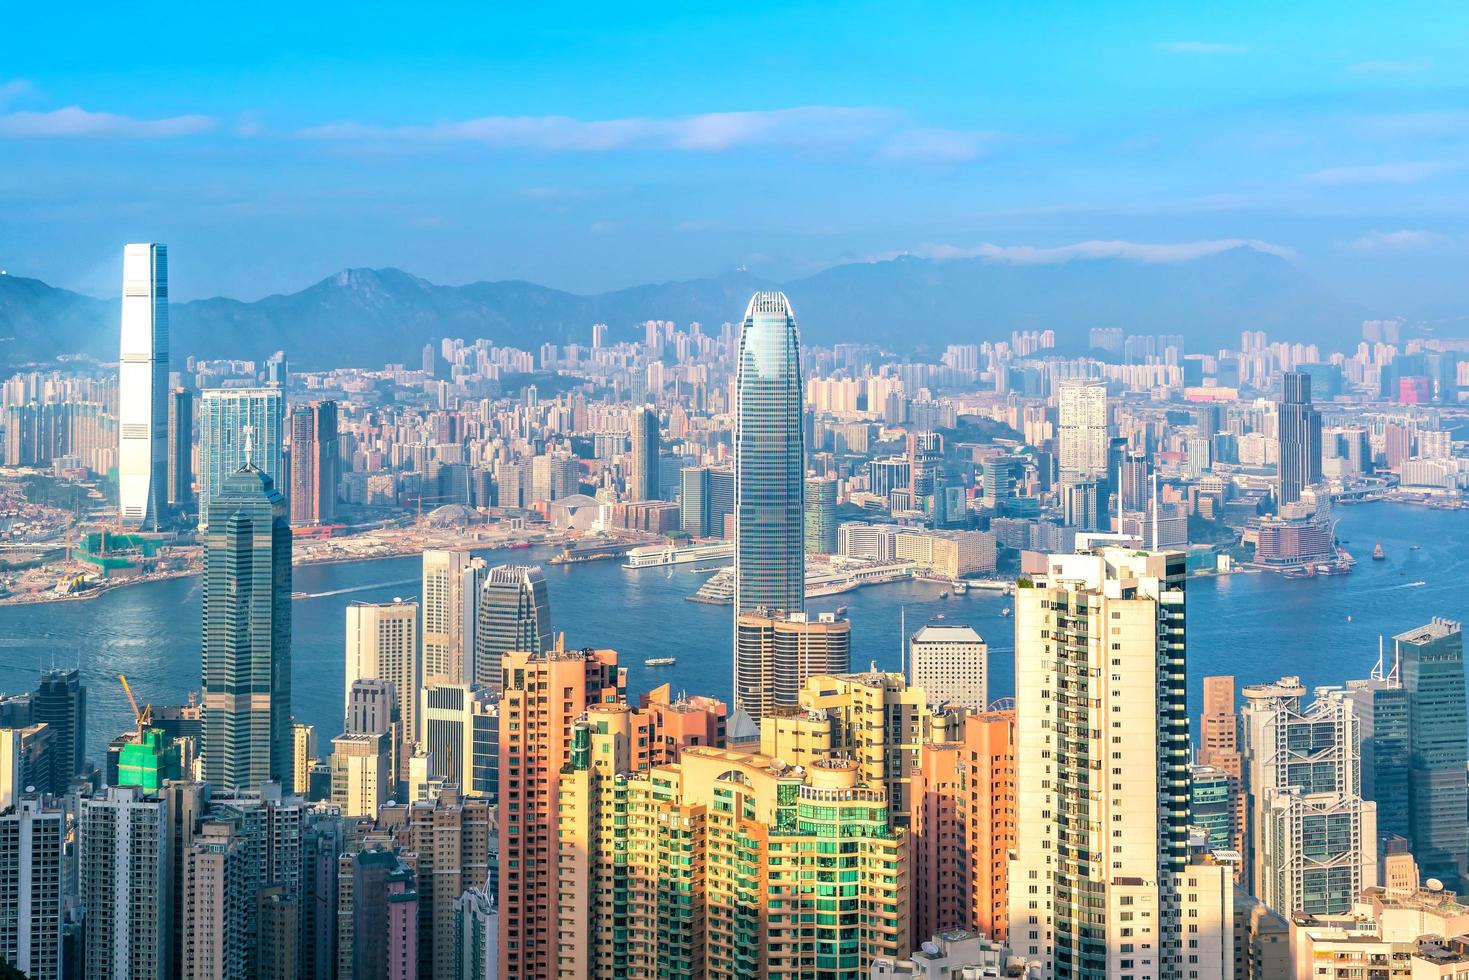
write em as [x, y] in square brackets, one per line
[903, 641]
[1119, 498]
[1155, 510]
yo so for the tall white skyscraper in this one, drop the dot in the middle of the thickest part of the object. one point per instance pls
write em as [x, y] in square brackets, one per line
[1098, 883]
[382, 644]
[451, 582]
[142, 388]
[1083, 431]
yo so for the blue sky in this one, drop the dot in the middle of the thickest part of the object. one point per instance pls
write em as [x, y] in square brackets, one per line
[591, 147]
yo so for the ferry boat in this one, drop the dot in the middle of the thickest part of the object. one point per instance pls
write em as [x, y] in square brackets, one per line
[658, 555]
[660, 661]
[959, 586]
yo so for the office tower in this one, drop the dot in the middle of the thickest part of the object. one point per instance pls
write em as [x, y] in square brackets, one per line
[693, 501]
[215, 900]
[1102, 758]
[238, 426]
[948, 661]
[60, 703]
[963, 828]
[33, 864]
[384, 917]
[303, 756]
[362, 773]
[382, 644]
[180, 447]
[1082, 430]
[776, 651]
[1385, 723]
[460, 733]
[535, 747]
[314, 463]
[476, 936]
[453, 839]
[1082, 505]
[247, 634]
[514, 614]
[1313, 836]
[1211, 806]
[450, 594]
[642, 479]
[1300, 437]
[821, 516]
[1219, 749]
[125, 885]
[142, 388]
[1431, 661]
[770, 466]
[999, 481]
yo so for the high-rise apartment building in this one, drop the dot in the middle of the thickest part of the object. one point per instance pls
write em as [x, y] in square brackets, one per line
[180, 447]
[382, 644]
[142, 388]
[1102, 758]
[125, 885]
[239, 426]
[1431, 660]
[642, 479]
[770, 466]
[476, 936]
[60, 703]
[821, 516]
[362, 772]
[1082, 431]
[964, 825]
[452, 582]
[216, 901]
[514, 614]
[315, 463]
[544, 693]
[1313, 837]
[776, 651]
[947, 660]
[1219, 749]
[33, 880]
[384, 917]
[303, 757]
[1299, 432]
[246, 648]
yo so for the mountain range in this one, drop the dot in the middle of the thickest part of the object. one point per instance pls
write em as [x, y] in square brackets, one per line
[370, 317]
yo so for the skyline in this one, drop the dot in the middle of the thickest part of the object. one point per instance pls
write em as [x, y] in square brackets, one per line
[591, 155]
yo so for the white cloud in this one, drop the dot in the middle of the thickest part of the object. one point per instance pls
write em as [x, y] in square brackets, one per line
[1380, 173]
[1083, 251]
[1201, 47]
[76, 121]
[1402, 240]
[937, 145]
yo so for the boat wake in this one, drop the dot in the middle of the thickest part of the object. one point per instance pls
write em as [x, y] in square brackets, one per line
[355, 588]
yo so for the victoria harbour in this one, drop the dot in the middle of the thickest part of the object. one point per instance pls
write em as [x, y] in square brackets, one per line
[1254, 626]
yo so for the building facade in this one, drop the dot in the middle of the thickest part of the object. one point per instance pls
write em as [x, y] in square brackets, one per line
[142, 388]
[514, 615]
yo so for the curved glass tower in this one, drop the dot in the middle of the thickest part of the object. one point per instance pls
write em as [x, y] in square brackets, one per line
[770, 557]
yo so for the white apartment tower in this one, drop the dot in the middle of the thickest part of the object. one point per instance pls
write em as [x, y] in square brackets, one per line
[142, 388]
[451, 585]
[1083, 431]
[32, 873]
[1096, 881]
[948, 662]
[125, 882]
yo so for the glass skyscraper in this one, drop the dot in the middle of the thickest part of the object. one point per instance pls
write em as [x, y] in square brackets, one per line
[643, 481]
[1431, 661]
[239, 426]
[514, 614]
[142, 388]
[1300, 437]
[247, 635]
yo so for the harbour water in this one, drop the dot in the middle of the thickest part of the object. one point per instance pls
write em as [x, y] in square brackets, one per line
[1254, 626]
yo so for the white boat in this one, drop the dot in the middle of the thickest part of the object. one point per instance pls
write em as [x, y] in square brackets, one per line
[660, 661]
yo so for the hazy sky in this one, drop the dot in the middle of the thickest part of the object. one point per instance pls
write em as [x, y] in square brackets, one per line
[591, 146]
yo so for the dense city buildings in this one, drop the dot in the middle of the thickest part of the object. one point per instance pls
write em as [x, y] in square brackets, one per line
[142, 384]
[125, 884]
[246, 649]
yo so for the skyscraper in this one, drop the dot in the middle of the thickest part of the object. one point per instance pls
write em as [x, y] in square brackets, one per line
[1431, 659]
[1300, 437]
[60, 703]
[180, 447]
[1083, 431]
[314, 463]
[514, 614]
[33, 865]
[1102, 766]
[821, 516]
[770, 466]
[642, 481]
[238, 426]
[452, 581]
[125, 885]
[947, 660]
[775, 652]
[382, 645]
[247, 634]
[142, 388]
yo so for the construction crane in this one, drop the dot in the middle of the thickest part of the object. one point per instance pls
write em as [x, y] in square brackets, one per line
[145, 717]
